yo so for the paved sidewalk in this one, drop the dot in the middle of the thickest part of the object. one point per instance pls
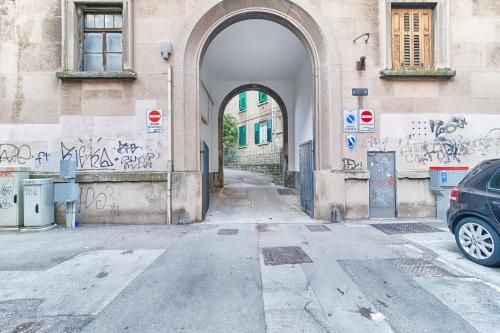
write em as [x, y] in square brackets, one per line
[350, 277]
[248, 197]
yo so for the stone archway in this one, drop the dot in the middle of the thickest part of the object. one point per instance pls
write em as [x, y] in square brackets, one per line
[219, 178]
[215, 17]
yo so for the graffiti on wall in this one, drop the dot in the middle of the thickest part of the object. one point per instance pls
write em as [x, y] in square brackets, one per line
[88, 153]
[350, 164]
[445, 142]
[95, 199]
[15, 154]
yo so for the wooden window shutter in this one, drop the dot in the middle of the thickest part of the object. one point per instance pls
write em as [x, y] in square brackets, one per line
[257, 133]
[269, 130]
[243, 136]
[262, 97]
[412, 39]
[243, 101]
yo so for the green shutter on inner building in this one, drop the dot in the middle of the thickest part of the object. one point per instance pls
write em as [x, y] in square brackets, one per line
[269, 130]
[262, 97]
[243, 136]
[243, 101]
[257, 133]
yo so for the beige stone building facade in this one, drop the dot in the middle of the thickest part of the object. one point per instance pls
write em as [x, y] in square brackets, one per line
[259, 120]
[79, 79]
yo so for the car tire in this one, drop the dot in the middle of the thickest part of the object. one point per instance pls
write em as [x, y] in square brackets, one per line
[478, 241]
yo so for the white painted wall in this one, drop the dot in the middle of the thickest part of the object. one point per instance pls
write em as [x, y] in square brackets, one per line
[303, 112]
[247, 53]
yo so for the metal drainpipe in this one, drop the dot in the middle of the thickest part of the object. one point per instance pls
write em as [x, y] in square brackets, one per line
[169, 144]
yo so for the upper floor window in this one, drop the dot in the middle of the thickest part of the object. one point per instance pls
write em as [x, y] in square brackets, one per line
[412, 39]
[243, 101]
[97, 40]
[262, 97]
[103, 42]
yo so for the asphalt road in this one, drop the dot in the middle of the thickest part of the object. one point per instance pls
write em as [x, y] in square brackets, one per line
[261, 275]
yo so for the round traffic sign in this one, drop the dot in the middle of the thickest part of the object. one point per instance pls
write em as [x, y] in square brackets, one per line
[350, 119]
[366, 116]
[154, 116]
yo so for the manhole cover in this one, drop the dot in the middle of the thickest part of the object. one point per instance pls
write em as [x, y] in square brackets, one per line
[226, 232]
[404, 228]
[317, 227]
[419, 267]
[284, 191]
[289, 255]
[261, 227]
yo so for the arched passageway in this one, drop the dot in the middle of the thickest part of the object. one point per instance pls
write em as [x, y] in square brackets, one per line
[246, 52]
[287, 53]
[218, 179]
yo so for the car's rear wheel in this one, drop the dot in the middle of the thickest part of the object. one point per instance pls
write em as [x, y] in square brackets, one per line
[478, 241]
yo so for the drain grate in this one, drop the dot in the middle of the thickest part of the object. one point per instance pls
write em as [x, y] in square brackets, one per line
[289, 255]
[317, 227]
[284, 191]
[420, 268]
[404, 228]
[226, 232]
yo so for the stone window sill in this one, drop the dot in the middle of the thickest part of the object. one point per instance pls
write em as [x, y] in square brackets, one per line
[438, 74]
[69, 75]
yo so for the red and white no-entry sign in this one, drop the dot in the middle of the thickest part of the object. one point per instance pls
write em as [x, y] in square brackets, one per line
[154, 121]
[367, 121]
[154, 116]
[366, 116]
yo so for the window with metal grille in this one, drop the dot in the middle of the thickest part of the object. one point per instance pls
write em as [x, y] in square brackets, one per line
[103, 41]
[412, 47]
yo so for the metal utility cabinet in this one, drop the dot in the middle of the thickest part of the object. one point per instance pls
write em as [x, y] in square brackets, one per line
[443, 179]
[38, 202]
[11, 195]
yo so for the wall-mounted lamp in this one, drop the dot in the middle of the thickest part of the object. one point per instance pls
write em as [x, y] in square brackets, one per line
[361, 64]
[166, 50]
[366, 35]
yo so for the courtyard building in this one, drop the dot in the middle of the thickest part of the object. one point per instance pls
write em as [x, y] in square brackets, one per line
[371, 94]
[259, 122]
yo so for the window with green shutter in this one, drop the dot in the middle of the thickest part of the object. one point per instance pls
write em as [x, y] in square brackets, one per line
[243, 101]
[257, 133]
[242, 136]
[262, 97]
[269, 130]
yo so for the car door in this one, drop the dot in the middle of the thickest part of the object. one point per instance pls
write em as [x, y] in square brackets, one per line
[494, 195]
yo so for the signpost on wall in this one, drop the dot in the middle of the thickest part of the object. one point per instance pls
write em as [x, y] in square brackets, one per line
[366, 121]
[154, 120]
[350, 120]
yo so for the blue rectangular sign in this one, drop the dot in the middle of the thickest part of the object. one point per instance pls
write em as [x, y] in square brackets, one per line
[444, 177]
[360, 91]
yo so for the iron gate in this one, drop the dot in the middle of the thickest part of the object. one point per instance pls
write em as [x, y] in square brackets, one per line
[205, 179]
[382, 184]
[306, 177]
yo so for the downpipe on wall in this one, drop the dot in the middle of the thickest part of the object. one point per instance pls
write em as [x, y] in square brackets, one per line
[169, 144]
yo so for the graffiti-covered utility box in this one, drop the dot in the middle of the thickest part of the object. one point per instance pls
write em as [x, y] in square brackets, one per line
[11, 196]
[443, 179]
[38, 202]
